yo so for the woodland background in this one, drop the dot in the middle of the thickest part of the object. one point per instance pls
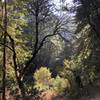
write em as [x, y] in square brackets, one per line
[49, 50]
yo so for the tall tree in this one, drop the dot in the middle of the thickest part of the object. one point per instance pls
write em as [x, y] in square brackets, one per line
[44, 25]
[4, 51]
[88, 23]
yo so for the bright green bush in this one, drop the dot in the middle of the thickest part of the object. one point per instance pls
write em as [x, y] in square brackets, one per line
[60, 84]
[44, 81]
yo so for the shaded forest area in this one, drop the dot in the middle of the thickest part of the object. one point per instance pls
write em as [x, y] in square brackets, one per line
[49, 49]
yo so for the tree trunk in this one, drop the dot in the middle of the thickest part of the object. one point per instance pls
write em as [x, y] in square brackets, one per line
[21, 87]
[4, 53]
[4, 70]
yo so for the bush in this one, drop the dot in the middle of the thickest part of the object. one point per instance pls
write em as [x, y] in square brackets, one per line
[60, 84]
[44, 81]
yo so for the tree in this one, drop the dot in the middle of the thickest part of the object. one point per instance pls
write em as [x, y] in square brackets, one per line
[45, 25]
[4, 52]
[87, 18]
[11, 28]
[88, 11]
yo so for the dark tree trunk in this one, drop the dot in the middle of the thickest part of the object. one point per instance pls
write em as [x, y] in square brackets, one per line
[4, 70]
[4, 54]
[18, 77]
[21, 87]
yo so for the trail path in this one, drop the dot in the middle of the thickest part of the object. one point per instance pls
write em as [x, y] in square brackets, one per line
[93, 92]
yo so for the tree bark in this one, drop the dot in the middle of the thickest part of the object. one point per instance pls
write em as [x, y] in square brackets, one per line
[4, 70]
[18, 77]
[4, 54]
[21, 87]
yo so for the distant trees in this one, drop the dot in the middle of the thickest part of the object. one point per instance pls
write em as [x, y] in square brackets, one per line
[34, 35]
[84, 63]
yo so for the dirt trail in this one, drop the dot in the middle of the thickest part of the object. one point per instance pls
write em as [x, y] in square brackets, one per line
[93, 92]
[96, 97]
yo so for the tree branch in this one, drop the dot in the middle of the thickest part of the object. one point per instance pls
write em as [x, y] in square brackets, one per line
[13, 49]
[6, 46]
[40, 46]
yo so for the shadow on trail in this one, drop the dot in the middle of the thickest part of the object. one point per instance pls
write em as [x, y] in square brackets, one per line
[92, 92]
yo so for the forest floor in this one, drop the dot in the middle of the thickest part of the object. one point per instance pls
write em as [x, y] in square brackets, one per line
[93, 92]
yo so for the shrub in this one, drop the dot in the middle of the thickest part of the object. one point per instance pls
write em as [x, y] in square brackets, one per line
[60, 84]
[44, 81]
[42, 78]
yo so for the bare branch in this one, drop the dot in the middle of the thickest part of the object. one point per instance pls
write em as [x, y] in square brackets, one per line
[40, 46]
[6, 46]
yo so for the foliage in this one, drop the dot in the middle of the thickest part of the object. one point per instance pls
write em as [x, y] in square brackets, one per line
[88, 75]
[60, 85]
[44, 81]
[30, 25]
[75, 68]
[88, 21]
